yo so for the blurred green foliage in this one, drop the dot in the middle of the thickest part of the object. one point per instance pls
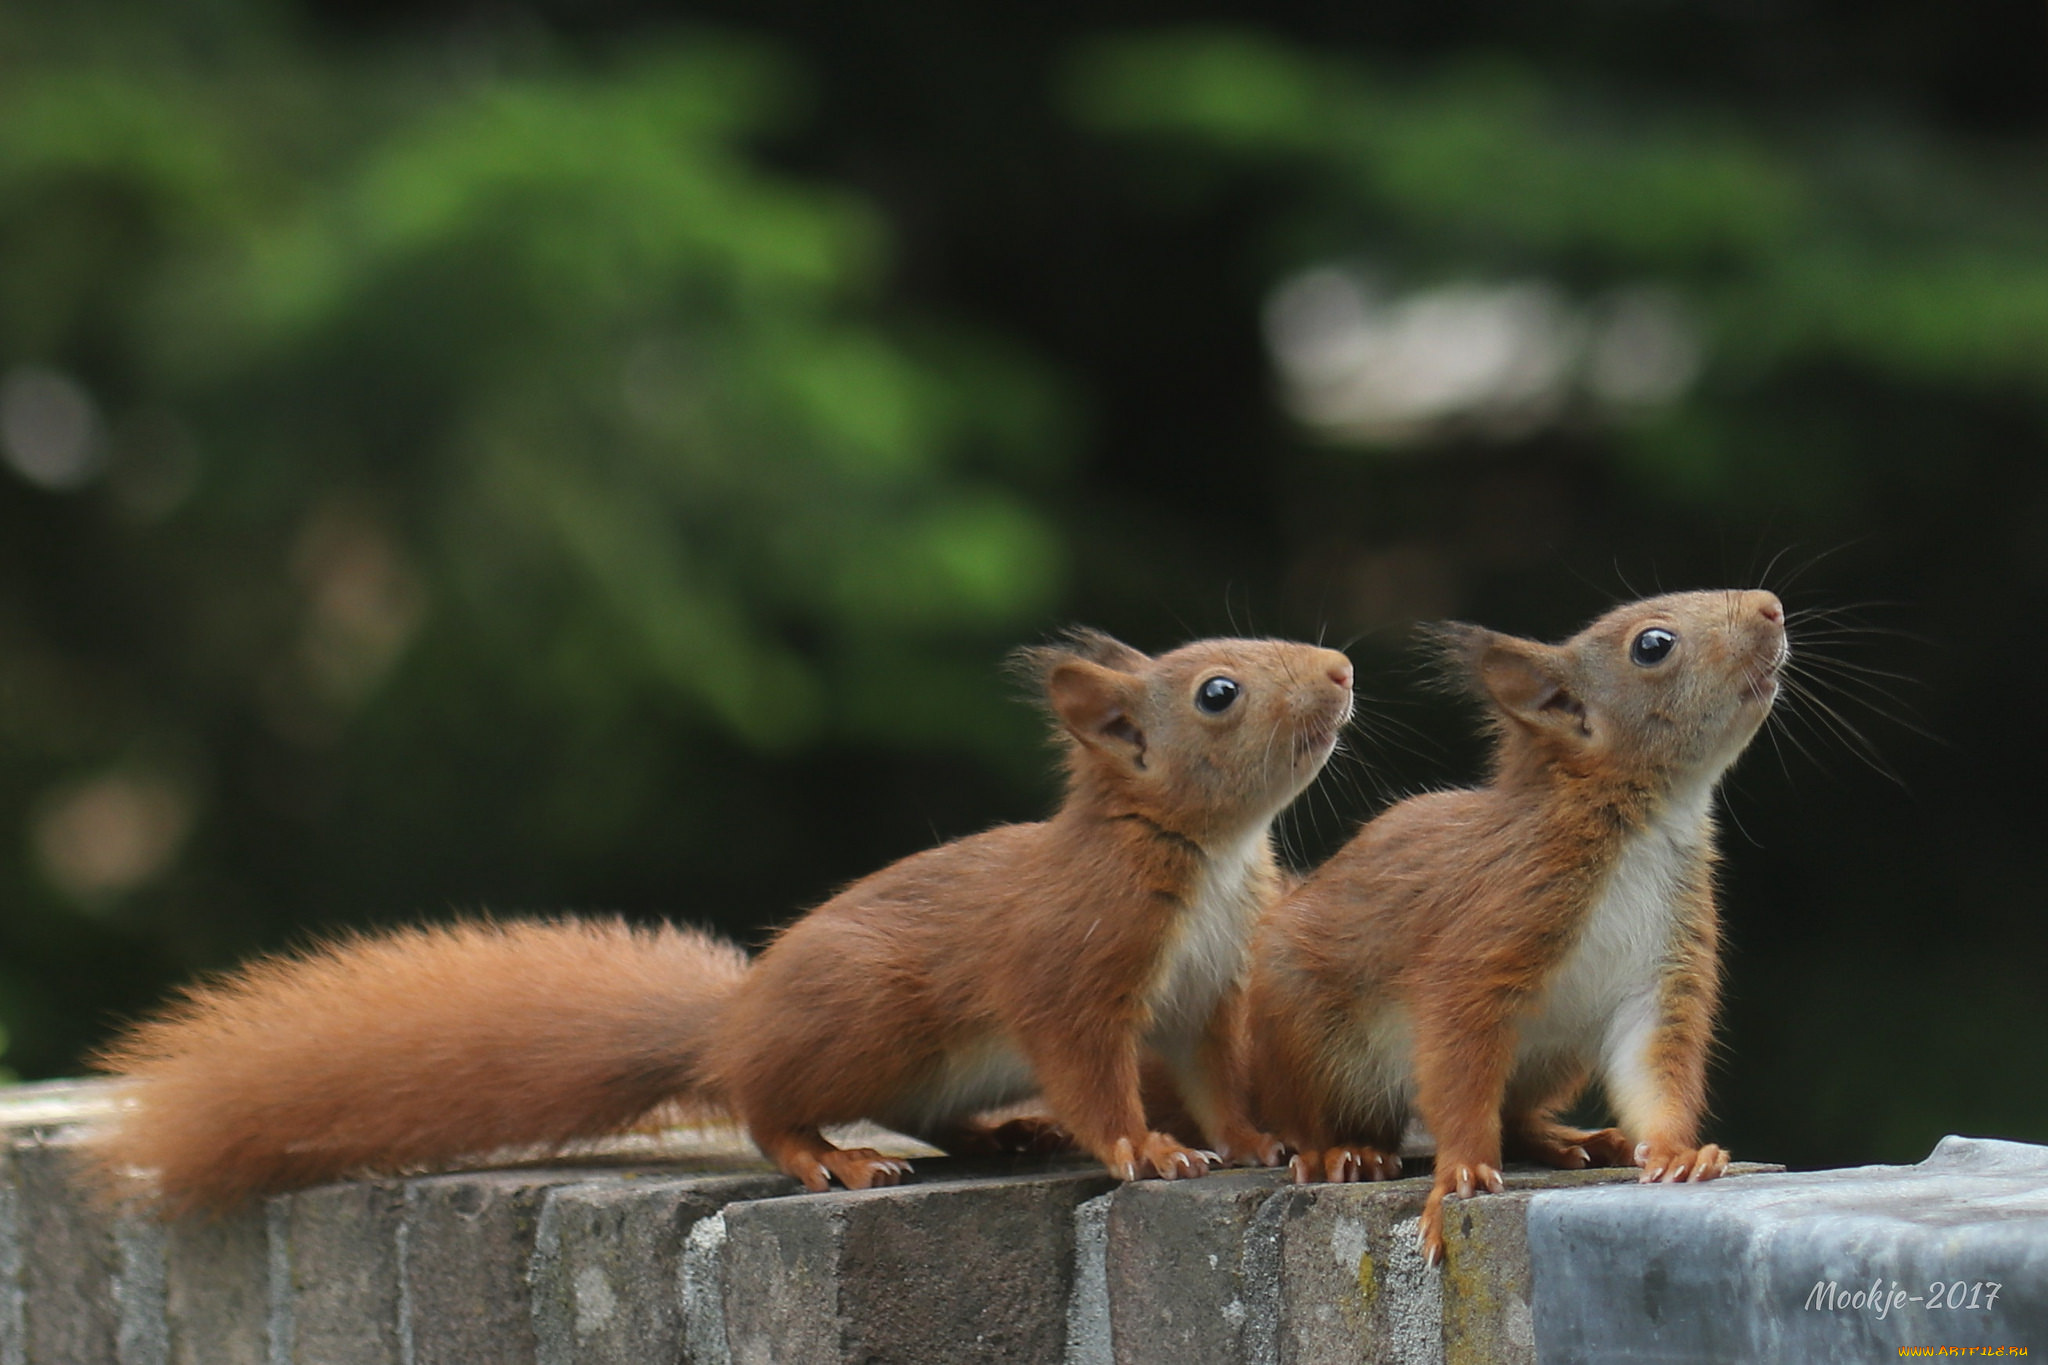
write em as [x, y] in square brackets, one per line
[1792, 244]
[431, 404]
[598, 456]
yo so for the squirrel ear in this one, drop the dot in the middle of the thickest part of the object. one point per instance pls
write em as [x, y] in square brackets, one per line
[1526, 680]
[1095, 704]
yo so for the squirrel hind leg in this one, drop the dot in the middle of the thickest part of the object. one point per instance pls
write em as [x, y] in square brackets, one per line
[1345, 1163]
[805, 1156]
[1545, 1143]
[1361, 1149]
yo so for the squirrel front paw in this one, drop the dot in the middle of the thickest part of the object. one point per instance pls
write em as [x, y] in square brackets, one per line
[1159, 1155]
[864, 1168]
[1463, 1179]
[1672, 1163]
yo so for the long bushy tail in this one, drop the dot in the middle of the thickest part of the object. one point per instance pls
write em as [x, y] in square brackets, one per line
[407, 1049]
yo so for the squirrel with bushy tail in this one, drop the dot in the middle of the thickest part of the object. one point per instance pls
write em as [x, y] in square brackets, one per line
[1060, 958]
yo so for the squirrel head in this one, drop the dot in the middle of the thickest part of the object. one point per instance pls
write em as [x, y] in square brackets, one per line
[1210, 740]
[1663, 693]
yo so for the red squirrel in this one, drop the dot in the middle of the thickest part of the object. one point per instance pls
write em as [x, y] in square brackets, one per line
[1049, 958]
[1474, 956]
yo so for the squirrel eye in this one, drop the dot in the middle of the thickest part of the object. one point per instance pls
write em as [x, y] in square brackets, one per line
[1651, 646]
[1216, 695]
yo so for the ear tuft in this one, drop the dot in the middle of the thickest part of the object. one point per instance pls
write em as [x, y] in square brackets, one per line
[1522, 679]
[1035, 663]
[1454, 652]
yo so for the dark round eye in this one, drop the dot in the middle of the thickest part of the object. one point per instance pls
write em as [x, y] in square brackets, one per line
[1217, 695]
[1651, 646]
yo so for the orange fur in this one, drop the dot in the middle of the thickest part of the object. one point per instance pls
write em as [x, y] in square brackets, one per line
[1053, 957]
[1473, 955]
[411, 1049]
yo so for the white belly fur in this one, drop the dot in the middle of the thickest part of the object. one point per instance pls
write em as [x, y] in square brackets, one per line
[1208, 950]
[984, 1075]
[1374, 1069]
[1601, 1006]
[1602, 1003]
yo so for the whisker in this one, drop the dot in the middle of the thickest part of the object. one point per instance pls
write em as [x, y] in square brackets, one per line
[1859, 671]
[1843, 729]
[1807, 566]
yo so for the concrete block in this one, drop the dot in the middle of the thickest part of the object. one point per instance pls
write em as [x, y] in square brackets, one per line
[217, 1289]
[13, 1248]
[1486, 1275]
[335, 1259]
[1742, 1269]
[46, 1107]
[1178, 1286]
[1350, 1284]
[608, 1264]
[465, 1250]
[955, 1271]
[1088, 1337]
[91, 1280]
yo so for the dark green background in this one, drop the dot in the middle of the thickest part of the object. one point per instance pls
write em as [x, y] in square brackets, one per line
[598, 455]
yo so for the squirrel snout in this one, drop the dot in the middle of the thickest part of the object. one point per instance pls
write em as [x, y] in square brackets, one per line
[1763, 602]
[1337, 668]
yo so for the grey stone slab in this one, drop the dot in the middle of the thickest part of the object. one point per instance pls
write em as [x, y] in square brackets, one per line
[142, 1334]
[608, 1264]
[953, 1271]
[1088, 1341]
[335, 1263]
[13, 1328]
[217, 1290]
[70, 1264]
[1178, 1286]
[465, 1250]
[47, 1106]
[90, 1277]
[1739, 1270]
[1350, 1284]
[1486, 1274]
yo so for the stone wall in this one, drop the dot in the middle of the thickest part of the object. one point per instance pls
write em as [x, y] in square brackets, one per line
[608, 1260]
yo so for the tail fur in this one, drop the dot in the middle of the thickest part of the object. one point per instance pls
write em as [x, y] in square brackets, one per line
[409, 1049]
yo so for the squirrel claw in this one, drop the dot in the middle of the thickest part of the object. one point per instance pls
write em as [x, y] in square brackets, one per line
[1158, 1155]
[1469, 1179]
[1429, 1234]
[864, 1168]
[1464, 1180]
[1606, 1147]
[1570, 1149]
[1673, 1165]
[1252, 1148]
[1344, 1165]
